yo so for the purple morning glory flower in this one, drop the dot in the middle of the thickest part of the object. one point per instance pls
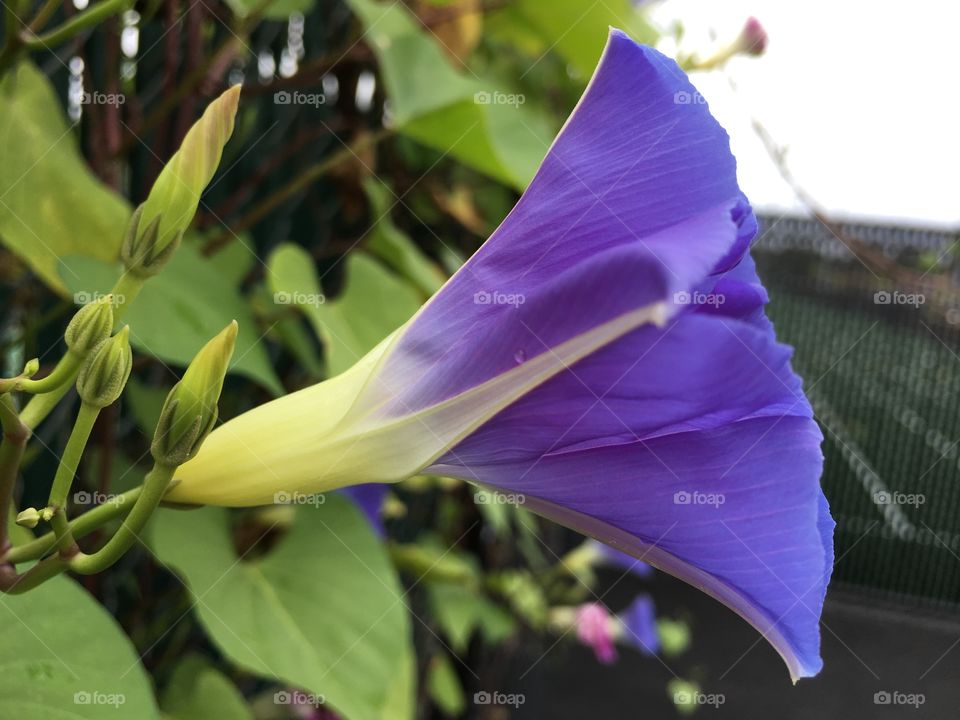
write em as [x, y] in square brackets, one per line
[606, 356]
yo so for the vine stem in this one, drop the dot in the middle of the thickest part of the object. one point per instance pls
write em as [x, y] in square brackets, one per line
[63, 374]
[155, 485]
[15, 436]
[71, 455]
[77, 24]
[79, 527]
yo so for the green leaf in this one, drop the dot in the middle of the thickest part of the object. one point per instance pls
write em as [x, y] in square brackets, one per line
[197, 691]
[395, 247]
[322, 611]
[578, 30]
[373, 304]
[444, 686]
[180, 309]
[51, 205]
[64, 656]
[461, 612]
[476, 120]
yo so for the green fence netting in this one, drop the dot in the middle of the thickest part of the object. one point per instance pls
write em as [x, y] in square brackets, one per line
[874, 312]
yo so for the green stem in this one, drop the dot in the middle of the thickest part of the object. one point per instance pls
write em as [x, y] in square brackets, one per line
[15, 436]
[45, 12]
[42, 405]
[124, 292]
[79, 527]
[36, 575]
[155, 485]
[71, 454]
[12, 42]
[63, 374]
[77, 24]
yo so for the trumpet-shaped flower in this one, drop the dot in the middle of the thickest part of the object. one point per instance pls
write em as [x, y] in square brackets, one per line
[605, 355]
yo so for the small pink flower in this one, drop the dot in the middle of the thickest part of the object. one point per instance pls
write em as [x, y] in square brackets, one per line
[593, 624]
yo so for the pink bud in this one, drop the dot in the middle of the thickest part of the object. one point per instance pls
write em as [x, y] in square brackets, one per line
[753, 38]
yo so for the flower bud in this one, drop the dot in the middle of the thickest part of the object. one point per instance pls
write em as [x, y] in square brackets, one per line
[28, 518]
[90, 326]
[752, 39]
[141, 253]
[190, 410]
[175, 194]
[106, 370]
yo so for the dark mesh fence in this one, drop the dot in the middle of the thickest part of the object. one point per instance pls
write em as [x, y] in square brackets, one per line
[874, 313]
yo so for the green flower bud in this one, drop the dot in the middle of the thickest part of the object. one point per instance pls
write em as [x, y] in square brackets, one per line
[30, 368]
[141, 252]
[90, 326]
[190, 410]
[176, 192]
[106, 370]
[28, 518]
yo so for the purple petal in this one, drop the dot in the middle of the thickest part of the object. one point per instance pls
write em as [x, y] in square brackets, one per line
[369, 499]
[708, 405]
[636, 200]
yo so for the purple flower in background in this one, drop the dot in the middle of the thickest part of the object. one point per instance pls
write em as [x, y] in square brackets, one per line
[605, 555]
[606, 356]
[638, 626]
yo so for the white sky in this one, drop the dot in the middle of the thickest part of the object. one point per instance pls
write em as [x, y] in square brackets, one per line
[865, 96]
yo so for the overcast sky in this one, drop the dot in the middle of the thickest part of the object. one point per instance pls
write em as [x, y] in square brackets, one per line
[866, 96]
